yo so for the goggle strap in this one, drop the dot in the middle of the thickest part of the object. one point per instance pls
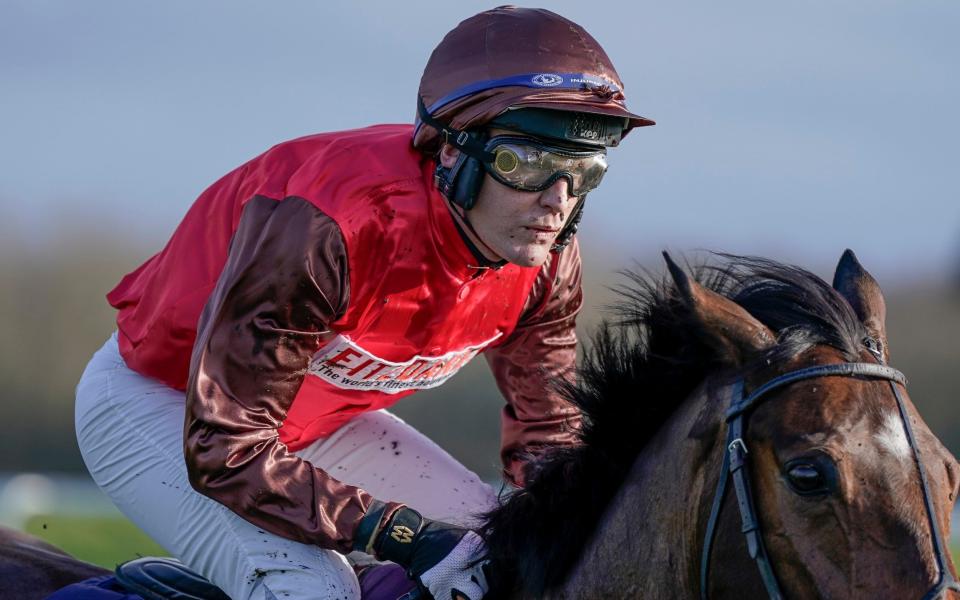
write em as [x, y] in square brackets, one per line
[460, 140]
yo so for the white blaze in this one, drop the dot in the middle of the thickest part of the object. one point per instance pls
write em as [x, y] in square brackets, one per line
[892, 438]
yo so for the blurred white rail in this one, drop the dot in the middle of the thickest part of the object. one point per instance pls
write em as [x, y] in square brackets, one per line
[25, 494]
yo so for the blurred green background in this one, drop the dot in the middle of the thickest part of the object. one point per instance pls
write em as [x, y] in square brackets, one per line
[54, 317]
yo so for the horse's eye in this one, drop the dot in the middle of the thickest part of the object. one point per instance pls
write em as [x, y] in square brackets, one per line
[808, 477]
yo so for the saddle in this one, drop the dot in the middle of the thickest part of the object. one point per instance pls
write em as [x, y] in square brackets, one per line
[166, 579]
[169, 579]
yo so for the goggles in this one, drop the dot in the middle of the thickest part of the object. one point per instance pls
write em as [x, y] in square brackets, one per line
[529, 165]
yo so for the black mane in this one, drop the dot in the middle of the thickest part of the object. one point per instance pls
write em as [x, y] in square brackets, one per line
[641, 366]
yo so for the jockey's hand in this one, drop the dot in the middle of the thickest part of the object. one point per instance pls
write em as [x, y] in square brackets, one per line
[444, 558]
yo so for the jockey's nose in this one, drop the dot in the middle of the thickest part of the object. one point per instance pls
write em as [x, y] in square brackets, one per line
[557, 196]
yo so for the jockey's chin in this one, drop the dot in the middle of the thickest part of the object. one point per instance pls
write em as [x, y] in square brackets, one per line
[520, 227]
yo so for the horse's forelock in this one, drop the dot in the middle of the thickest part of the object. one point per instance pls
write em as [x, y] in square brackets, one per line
[800, 307]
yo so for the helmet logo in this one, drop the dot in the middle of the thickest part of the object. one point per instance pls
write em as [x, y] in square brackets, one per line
[546, 79]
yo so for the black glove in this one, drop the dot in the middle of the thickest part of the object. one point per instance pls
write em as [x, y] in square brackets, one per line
[444, 558]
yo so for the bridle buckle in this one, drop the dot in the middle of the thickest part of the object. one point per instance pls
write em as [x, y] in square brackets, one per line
[737, 442]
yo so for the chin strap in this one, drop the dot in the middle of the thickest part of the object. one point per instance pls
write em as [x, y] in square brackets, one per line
[570, 229]
[482, 261]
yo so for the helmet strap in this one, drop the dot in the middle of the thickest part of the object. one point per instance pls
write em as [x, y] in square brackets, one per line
[573, 223]
[482, 261]
[461, 140]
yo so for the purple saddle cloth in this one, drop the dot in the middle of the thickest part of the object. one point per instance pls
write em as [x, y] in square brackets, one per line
[104, 587]
[384, 582]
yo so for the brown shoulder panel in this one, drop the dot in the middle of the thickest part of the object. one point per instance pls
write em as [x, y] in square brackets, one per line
[286, 278]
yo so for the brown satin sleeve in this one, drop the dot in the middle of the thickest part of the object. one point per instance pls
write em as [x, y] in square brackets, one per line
[542, 350]
[285, 279]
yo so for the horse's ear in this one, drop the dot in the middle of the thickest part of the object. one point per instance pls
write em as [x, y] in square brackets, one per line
[729, 328]
[863, 293]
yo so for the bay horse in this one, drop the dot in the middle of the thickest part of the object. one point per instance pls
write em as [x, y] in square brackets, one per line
[742, 438]
[851, 492]
[31, 569]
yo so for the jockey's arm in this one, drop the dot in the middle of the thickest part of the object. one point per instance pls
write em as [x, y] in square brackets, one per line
[529, 364]
[285, 279]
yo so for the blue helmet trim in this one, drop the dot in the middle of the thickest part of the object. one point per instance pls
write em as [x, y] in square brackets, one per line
[567, 81]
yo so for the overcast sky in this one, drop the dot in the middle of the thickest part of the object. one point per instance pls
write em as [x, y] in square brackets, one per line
[787, 129]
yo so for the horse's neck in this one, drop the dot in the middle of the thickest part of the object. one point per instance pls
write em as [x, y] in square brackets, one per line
[646, 545]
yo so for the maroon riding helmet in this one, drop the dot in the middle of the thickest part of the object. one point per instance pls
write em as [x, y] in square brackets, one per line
[511, 57]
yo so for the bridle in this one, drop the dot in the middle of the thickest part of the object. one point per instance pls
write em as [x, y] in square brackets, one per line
[735, 465]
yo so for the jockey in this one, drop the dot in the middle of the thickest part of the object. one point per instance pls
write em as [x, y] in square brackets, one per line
[238, 414]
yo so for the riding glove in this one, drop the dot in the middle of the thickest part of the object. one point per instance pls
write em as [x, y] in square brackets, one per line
[444, 558]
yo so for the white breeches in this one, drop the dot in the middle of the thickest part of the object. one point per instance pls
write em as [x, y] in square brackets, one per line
[130, 432]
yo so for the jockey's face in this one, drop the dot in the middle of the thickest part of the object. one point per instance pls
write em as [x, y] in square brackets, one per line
[512, 225]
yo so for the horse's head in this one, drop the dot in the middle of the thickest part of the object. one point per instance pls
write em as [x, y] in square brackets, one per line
[835, 473]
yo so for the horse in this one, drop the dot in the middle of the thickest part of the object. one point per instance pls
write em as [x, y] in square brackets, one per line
[31, 569]
[751, 376]
[851, 492]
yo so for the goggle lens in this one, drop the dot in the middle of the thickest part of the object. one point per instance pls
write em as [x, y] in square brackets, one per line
[530, 166]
